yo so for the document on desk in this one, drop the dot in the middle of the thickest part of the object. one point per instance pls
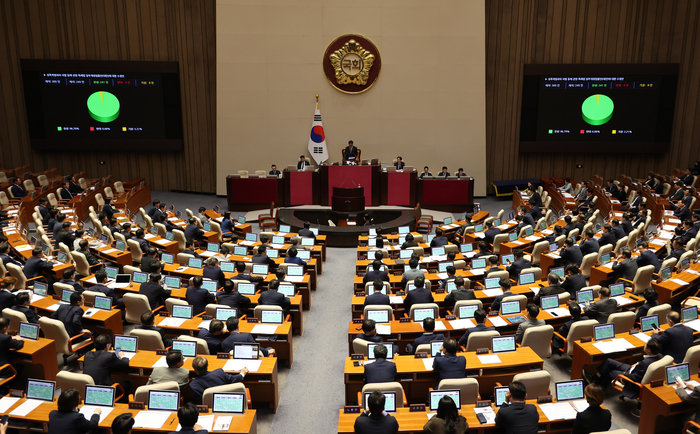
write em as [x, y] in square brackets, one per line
[223, 423]
[694, 324]
[238, 364]
[478, 271]
[642, 337]
[151, 419]
[88, 410]
[395, 299]
[679, 282]
[148, 237]
[535, 289]
[162, 241]
[54, 307]
[204, 324]
[518, 242]
[504, 227]
[559, 311]
[23, 247]
[7, 402]
[442, 275]
[558, 411]
[277, 246]
[171, 322]
[207, 422]
[547, 231]
[489, 359]
[532, 238]
[580, 404]
[666, 235]
[497, 321]
[479, 235]
[439, 325]
[264, 329]
[246, 243]
[669, 228]
[428, 363]
[109, 251]
[295, 279]
[658, 242]
[90, 312]
[459, 324]
[621, 301]
[161, 363]
[488, 413]
[27, 407]
[613, 346]
[493, 292]
[384, 329]
[208, 254]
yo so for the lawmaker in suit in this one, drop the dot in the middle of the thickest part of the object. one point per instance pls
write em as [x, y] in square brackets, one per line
[399, 163]
[306, 231]
[174, 371]
[515, 416]
[212, 335]
[608, 236]
[67, 419]
[188, 415]
[676, 339]
[427, 337]
[443, 173]
[230, 297]
[5, 257]
[447, 364]
[554, 288]
[575, 311]
[147, 321]
[17, 190]
[274, 171]
[603, 308]
[243, 275]
[426, 173]
[376, 273]
[377, 298]
[625, 266]
[212, 271]
[302, 164]
[150, 263]
[292, 258]
[262, 258]
[479, 317]
[22, 301]
[272, 297]
[236, 337]
[101, 279]
[447, 418]
[381, 371]
[651, 300]
[617, 229]
[462, 292]
[439, 240]
[412, 273]
[505, 287]
[197, 296]
[532, 311]
[647, 257]
[99, 364]
[590, 245]
[574, 280]
[571, 253]
[193, 232]
[374, 420]
[535, 199]
[594, 418]
[71, 315]
[611, 368]
[154, 291]
[692, 398]
[206, 379]
[351, 152]
[490, 232]
[37, 266]
[7, 297]
[418, 295]
[7, 344]
[514, 268]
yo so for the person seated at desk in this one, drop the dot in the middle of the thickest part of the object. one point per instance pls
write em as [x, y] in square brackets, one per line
[139, 238]
[235, 337]
[443, 173]
[230, 297]
[567, 187]
[600, 310]
[351, 152]
[505, 287]
[108, 210]
[589, 244]
[295, 243]
[125, 231]
[460, 173]
[274, 298]
[569, 226]
[375, 420]
[426, 173]
[163, 219]
[450, 271]
[7, 297]
[447, 364]
[150, 261]
[571, 253]
[100, 363]
[101, 279]
[490, 232]
[53, 216]
[586, 203]
[73, 186]
[197, 296]
[123, 424]
[44, 210]
[410, 242]
[147, 323]
[574, 280]
[447, 420]
[493, 265]
[16, 188]
[611, 368]
[650, 300]
[202, 214]
[515, 416]
[677, 252]
[692, 398]
[206, 379]
[58, 225]
[188, 415]
[514, 268]
[594, 418]
[626, 224]
[535, 212]
[367, 220]
[427, 337]
[484, 249]
[532, 311]
[274, 171]
[676, 339]
[527, 218]
[558, 231]
[223, 254]
[369, 332]
[212, 271]
[189, 250]
[154, 209]
[412, 273]
[461, 292]
[243, 275]
[377, 298]
[302, 164]
[114, 226]
[554, 288]
[690, 231]
[5, 256]
[575, 311]
[212, 336]
[376, 273]
[154, 291]
[227, 225]
[617, 229]
[292, 258]
[625, 266]
[399, 164]
[439, 240]
[193, 232]
[608, 236]
[418, 295]
[683, 211]
[21, 304]
[37, 265]
[69, 279]
[306, 231]
[67, 418]
[7, 344]
[174, 371]
[381, 371]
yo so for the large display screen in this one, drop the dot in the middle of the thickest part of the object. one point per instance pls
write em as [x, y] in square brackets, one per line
[102, 105]
[598, 108]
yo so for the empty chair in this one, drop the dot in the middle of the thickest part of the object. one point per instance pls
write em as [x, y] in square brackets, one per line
[536, 383]
[468, 389]
[624, 321]
[578, 329]
[536, 270]
[588, 262]
[378, 307]
[202, 347]
[434, 306]
[481, 340]
[540, 339]
[66, 345]
[642, 280]
[622, 242]
[135, 305]
[148, 339]
[503, 274]
[90, 296]
[208, 395]
[29, 185]
[141, 393]
[360, 346]
[135, 249]
[661, 310]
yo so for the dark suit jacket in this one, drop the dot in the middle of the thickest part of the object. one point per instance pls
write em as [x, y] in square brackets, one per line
[7, 344]
[45, 216]
[213, 342]
[99, 364]
[263, 259]
[76, 286]
[457, 295]
[649, 258]
[439, 242]
[7, 259]
[216, 377]
[496, 304]
[7, 299]
[416, 296]
[372, 275]
[618, 232]
[301, 164]
[233, 299]
[425, 338]
[529, 220]
[546, 291]
[71, 317]
[572, 255]
[108, 211]
[682, 213]
[631, 390]
[36, 267]
[143, 244]
[107, 291]
[564, 331]
[519, 265]
[235, 337]
[592, 419]
[601, 309]
[155, 293]
[675, 341]
[479, 328]
[198, 298]
[490, 234]
[535, 199]
[626, 227]
[573, 283]
[215, 274]
[607, 238]
[675, 253]
[518, 418]
[274, 298]
[306, 233]
[381, 371]
[377, 298]
[62, 422]
[350, 152]
[32, 316]
[449, 366]
[590, 246]
[65, 237]
[18, 191]
[536, 213]
[192, 232]
[66, 194]
[148, 264]
[248, 277]
[380, 424]
[627, 269]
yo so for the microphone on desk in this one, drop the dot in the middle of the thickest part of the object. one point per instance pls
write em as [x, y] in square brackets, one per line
[342, 183]
[353, 182]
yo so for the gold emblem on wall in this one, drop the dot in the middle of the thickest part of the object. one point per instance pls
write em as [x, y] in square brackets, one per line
[352, 64]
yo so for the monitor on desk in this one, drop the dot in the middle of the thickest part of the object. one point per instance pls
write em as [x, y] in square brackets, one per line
[447, 221]
[168, 258]
[451, 286]
[499, 393]
[597, 227]
[685, 264]
[29, 331]
[681, 371]
[380, 316]
[410, 286]
[550, 302]
[126, 343]
[405, 253]
[429, 238]
[260, 269]
[404, 230]
[241, 250]
[288, 289]
[314, 230]
[213, 247]
[140, 277]
[503, 344]
[169, 236]
[666, 273]
[436, 396]
[228, 267]
[224, 313]
[230, 402]
[543, 226]
[689, 314]
[194, 263]
[154, 231]
[617, 289]
[389, 403]
[210, 285]
[569, 390]
[478, 263]
[507, 258]
[40, 389]
[62, 256]
[420, 314]
[104, 303]
[245, 351]
[274, 253]
[241, 219]
[553, 247]
[559, 271]
[492, 282]
[40, 288]
[271, 316]
[649, 323]
[102, 396]
[603, 332]
[496, 222]
[111, 272]
[510, 307]
[466, 248]
[285, 229]
[467, 311]
[584, 295]
[251, 237]
[529, 232]
[172, 282]
[292, 270]
[479, 228]
[163, 400]
[512, 236]
[65, 295]
[33, 240]
[246, 288]
[605, 259]
[187, 348]
[435, 347]
[527, 278]
[372, 232]
[389, 350]
[206, 227]
[180, 311]
[103, 239]
[442, 266]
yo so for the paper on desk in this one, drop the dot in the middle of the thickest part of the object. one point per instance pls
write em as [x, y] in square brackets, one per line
[54, 307]
[666, 235]
[668, 228]
[27, 407]
[478, 271]
[479, 235]
[658, 242]
[395, 299]
[469, 254]
[223, 423]
[108, 251]
[204, 324]
[532, 238]
[488, 413]
[535, 289]
[439, 258]
[238, 364]
[383, 329]
[442, 275]
[90, 312]
[518, 242]
[554, 255]
[439, 325]
[207, 254]
[246, 243]
[430, 415]
[676, 221]
[504, 227]
[161, 363]
[151, 419]
[128, 354]
[277, 246]
[171, 322]
[428, 364]
[621, 301]
[679, 282]
[613, 346]
[368, 362]
[23, 247]
[88, 410]
[7, 402]
[560, 410]
[497, 321]
[624, 343]
[642, 337]
[264, 329]
[10, 232]
[295, 279]
[559, 311]
[462, 324]
[694, 324]
[207, 422]
[148, 237]
[35, 298]
[179, 223]
[493, 292]
[490, 359]
[162, 241]
[580, 404]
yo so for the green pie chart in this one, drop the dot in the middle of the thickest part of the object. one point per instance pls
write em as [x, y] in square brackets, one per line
[103, 106]
[597, 109]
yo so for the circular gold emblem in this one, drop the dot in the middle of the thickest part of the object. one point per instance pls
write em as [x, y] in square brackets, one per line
[352, 64]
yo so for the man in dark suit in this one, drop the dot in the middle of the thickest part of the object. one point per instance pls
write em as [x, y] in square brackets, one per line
[272, 297]
[212, 271]
[462, 292]
[617, 229]
[274, 171]
[351, 152]
[302, 164]
[7, 344]
[230, 297]
[154, 291]
[418, 295]
[580, 223]
[206, 379]
[150, 262]
[608, 236]
[44, 210]
[505, 287]
[443, 173]
[101, 279]
[676, 339]
[626, 224]
[569, 225]
[66, 418]
[574, 280]
[236, 337]
[447, 364]
[193, 232]
[514, 268]
[410, 242]
[690, 231]
[427, 337]
[426, 172]
[5, 255]
[625, 266]
[586, 203]
[187, 416]
[376, 273]
[65, 191]
[17, 190]
[306, 231]
[381, 371]
[490, 232]
[611, 368]
[377, 298]
[374, 420]
[527, 217]
[571, 253]
[683, 211]
[262, 258]
[244, 275]
[439, 239]
[147, 323]
[493, 266]
[69, 279]
[536, 213]
[154, 210]
[212, 336]
[647, 257]
[590, 244]
[399, 163]
[676, 252]
[633, 207]
[197, 296]
[101, 362]
[65, 236]
[85, 250]
[517, 417]
[479, 317]
[554, 288]
[73, 186]
[37, 266]
[58, 225]
[21, 304]
[535, 198]
[575, 311]
[600, 310]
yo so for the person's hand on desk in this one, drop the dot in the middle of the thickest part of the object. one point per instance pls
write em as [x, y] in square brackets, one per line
[244, 371]
[18, 338]
[272, 352]
[196, 427]
[4, 425]
[98, 411]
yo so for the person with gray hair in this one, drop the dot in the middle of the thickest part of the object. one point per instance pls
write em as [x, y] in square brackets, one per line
[212, 271]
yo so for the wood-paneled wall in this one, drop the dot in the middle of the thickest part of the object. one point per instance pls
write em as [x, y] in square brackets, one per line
[587, 31]
[163, 30]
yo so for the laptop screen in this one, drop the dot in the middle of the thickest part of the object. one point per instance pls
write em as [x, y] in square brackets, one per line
[553, 247]
[604, 331]
[304, 254]
[307, 241]
[466, 248]
[104, 303]
[65, 295]
[605, 258]
[126, 343]
[378, 315]
[228, 403]
[509, 257]
[314, 230]
[251, 237]
[62, 257]
[429, 238]
[111, 272]
[154, 231]
[666, 273]
[529, 231]
[478, 228]
[228, 267]
[272, 253]
[492, 282]
[40, 389]
[287, 290]
[500, 394]
[569, 390]
[168, 258]
[292, 270]
[689, 313]
[404, 229]
[163, 400]
[245, 351]
[584, 295]
[497, 222]
[99, 395]
[194, 263]
[550, 302]
[389, 403]
[372, 232]
[260, 269]
[180, 311]
[503, 344]
[389, 350]
[241, 219]
[447, 220]
[123, 278]
[421, 314]
[40, 288]
[681, 371]
[451, 286]
[47, 249]
[435, 347]
[187, 348]
[29, 331]
[617, 289]
[246, 288]
[169, 236]
[278, 239]
[140, 277]
[240, 250]
[527, 278]
[479, 263]
[437, 251]
[405, 253]
[512, 236]
[172, 282]
[224, 313]
[442, 266]
[209, 285]
[510, 307]
[649, 323]
[206, 227]
[285, 229]
[467, 311]
[436, 396]
[213, 247]
[271, 316]
[559, 271]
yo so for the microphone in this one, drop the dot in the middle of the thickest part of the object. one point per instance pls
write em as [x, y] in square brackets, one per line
[342, 183]
[353, 182]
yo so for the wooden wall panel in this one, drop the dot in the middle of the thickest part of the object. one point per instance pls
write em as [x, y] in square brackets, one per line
[160, 30]
[587, 31]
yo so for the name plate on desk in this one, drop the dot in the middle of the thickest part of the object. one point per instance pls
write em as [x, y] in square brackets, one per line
[206, 317]
[450, 317]
[252, 320]
[223, 355]
[161, 352]
[482, 351]
[634, 331]
[165, 314]
[483, 403]
[357, 321]
[360, 294]
[439, 291]
[16, 393]
[357, 357]
[133, 405]
[416, 407]
[405, 320]
[493, 313]
[544, 399]
[355, 409]
[12, 332]
[202, 409]
[421, 355]
[585, 339]
[88, 304]
[657, 383]
[400, 293]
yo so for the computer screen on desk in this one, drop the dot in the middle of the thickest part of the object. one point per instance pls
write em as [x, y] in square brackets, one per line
[436, 396]
[499, 394]
[389, 350]
[569, 390]
[233, 403]
[245, 351]
[492, 282]
[187, 348]
[389, 403]
[681, 371]
[163, 400]
[467, 311]
[40, 389]
[271, 316]
[503, 344]
[246, 288]
[182, 311]
[604, 331]
[224, 313]
[421, 314]
[380, 316]
[510, 307]
[125, 343]
[689, 313]
[649, 322]
[172, 282]
[102, 396]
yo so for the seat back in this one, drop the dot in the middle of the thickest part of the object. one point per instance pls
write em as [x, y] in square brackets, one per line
[161, 229]
[467, 303]
[588, 262]
[135, 305]
[259, 308]
[62, 247]
[624, 321]
[60, 287]
[451, 248]
[468, 389]
[642, 280]
[536, 270]
[578, 329]
[54, 329]
[434, 306]
[83, 183]
[208, 395]
[360, 346]
[378, 307]
[480, 339]
[503, 274]
[71, 380]
[135, 250]
[141, 393]
[661, 310]
[15, 317]
[536, 383]
[148, 339]
[210, 309]
[519, 297]
[420, 251]
[130, 269]
[216, 227]
[537, 250]
[82, 266]
[17, 272]
[539, 339]
[202, 347]
[497, 241]
[573, 234]
[108, 192]
[656, 370]
[692, 356]
[604, 249]
[523, 231]
[171, 301]
[29, 185]
[243, 173]
[632, 239]
[386, 387]
[179, 236]
[622, 242]
[90, 296]
[119, 187]
[100, 200]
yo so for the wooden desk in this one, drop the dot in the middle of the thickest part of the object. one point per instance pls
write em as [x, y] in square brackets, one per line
[416, 380]
[660, 403]
[104, 321]
[39, 358]
[671, 292]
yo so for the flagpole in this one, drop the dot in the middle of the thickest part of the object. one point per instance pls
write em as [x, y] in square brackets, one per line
[317, 101]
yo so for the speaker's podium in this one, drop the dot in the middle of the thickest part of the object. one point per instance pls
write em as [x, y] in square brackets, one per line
[348, 200]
